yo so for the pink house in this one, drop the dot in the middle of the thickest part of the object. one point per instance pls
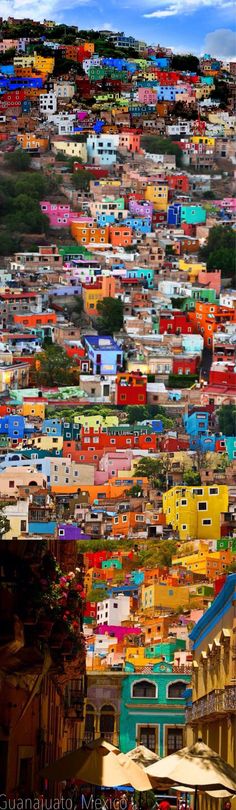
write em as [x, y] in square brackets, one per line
[118, 632]
[210, 280]
[110, 464]
[146, 95]
[59, 215]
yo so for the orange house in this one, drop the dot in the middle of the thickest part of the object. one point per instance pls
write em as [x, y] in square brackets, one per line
[36, 319]
[70, 450]
[128, 523]
[209, 318]
[89, 234]
[28, 140]
[93, 293]
[116, 489]
[120, 236]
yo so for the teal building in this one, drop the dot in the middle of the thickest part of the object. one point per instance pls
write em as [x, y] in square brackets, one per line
[152, 709]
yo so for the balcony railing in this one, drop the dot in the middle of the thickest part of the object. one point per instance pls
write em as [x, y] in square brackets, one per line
[218, 702]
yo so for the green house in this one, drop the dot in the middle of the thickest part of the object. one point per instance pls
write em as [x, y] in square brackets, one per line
[152, 709]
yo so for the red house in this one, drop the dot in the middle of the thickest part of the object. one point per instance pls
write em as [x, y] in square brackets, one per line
[90, 610]
[99, 440]
[131, 389]
[179, 182]
[175, 323]
[185, 365]
[223, 374]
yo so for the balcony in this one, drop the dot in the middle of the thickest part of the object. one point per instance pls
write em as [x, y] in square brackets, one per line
[219, 702]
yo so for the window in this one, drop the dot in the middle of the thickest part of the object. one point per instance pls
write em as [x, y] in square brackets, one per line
[11, 484]
[148, 737]
[202, 506]
[174, 739]
[107, 722]
[89, 723]
[176, 689]
[213, 491]
[145, 689]
[206, 522]
[23, 525]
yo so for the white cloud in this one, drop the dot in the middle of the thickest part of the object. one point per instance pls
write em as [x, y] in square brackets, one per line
[221, 43]
[170, 8]
[46, 9]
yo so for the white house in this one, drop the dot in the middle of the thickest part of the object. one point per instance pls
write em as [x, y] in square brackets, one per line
[113, 610]
[48, 103]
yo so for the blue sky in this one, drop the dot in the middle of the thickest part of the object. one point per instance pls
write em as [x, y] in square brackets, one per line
[185, 25]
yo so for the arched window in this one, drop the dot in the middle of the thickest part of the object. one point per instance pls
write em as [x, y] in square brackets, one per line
[89, 730]
[107, 722]
[145, 689]
[176, 689]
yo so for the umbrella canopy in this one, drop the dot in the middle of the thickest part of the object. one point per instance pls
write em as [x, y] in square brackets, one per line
[98, 763]
[136, 775]
[142, 756]
[216, 794]
[197, 766]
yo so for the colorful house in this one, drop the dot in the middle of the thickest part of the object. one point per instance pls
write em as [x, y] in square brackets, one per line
[131, 389]
[195, 511]
[105, 354]
[152, 709]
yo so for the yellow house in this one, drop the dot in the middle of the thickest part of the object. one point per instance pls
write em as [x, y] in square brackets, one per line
[195, 511]
[163, 595]
[47, 442]
[17, 514]
[137, 657]
[204, 90]
[207, 141]
[44, 64]
[192, 269]
[35, 409]
[23, 60]
[157, 193]
[212, 714]
[91, 297]
[70, 148]
[96, 421]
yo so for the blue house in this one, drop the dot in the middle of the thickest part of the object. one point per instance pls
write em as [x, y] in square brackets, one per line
[230, 442]
[13, 425]
[105, 354]
[203, 443]
[174, 214]
[166, 93]
[52, 427]
[141, 224]
[144, 274]
[196, 424]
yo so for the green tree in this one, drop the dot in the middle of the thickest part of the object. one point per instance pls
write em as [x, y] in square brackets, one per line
[227, 420]
[136, 413]
[4, 522]
[53, 366]
[219, 250]
[163, 146]
[185, 61]
[134, 492]
[81, 179]
[96, 595]
[191, 478]
[18, 161]
[148, 468]
[111, 316]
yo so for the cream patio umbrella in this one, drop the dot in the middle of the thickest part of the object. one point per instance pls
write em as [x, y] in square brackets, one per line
[215, 794]
[143, 756]
[98, 763]
[198, 767]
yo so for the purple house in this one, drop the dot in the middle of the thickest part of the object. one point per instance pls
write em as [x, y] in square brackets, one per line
[141, 208]
[70, 531]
